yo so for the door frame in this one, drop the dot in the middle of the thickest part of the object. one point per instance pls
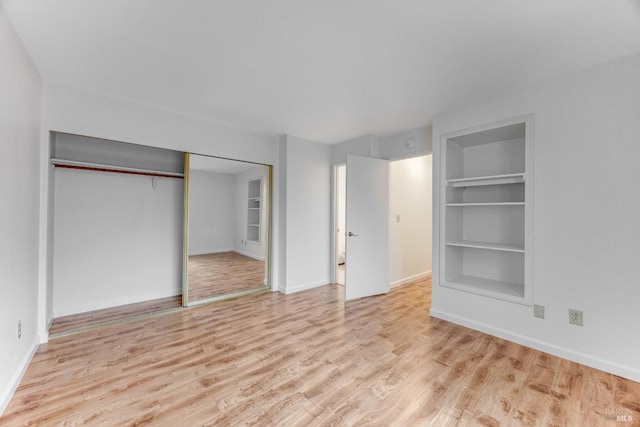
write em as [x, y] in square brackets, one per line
[334, 220]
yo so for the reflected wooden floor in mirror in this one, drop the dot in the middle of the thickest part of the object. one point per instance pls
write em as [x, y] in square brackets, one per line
[223, 273]
[111, 314]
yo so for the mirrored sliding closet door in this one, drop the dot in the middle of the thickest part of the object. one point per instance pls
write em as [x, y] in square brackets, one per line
[227, 217]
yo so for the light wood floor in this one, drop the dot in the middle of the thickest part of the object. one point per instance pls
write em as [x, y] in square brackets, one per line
[223, 273]
[307, 359]
[90, 318]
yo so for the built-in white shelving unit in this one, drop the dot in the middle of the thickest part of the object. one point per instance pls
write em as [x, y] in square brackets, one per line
[486, 210]
[254, 204]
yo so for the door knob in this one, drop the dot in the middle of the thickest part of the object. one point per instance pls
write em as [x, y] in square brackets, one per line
[352, 235]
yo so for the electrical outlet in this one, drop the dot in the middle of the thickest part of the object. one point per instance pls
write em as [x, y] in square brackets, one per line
[538, 311]
[575, 317]
[19, 329]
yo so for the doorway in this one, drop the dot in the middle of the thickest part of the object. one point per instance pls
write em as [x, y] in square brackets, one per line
[409, 224]
[410, 219]
[341, 219]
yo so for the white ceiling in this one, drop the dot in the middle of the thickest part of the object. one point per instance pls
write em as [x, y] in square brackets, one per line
[326, 70]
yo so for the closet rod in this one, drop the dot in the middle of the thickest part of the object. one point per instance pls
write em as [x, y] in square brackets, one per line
[71, 164]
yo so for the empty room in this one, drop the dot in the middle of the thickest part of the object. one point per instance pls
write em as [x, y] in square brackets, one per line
[385, 213]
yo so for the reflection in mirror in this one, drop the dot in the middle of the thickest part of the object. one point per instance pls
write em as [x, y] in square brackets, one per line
[227, 228]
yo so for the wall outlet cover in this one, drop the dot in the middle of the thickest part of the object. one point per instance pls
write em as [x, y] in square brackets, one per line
[538, 311]
[575, 317]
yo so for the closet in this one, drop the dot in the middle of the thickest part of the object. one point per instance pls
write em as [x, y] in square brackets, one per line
[122, 238]
[117, 224]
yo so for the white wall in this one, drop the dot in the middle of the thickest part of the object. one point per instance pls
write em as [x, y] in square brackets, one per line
[280, 206]
[241, 189]
[212, 212]
[586, 232]
[410, 238]
[308, 214]
[394, 146]
[117, 240]
[386, 147]
[359, 146]
[20, 86]
[74, 111]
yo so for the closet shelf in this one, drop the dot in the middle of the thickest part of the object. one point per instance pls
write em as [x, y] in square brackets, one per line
[72, 164]
[511, 178]
[488, 245]
[487, 204]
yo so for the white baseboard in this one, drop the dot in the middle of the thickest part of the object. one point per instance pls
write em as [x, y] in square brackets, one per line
[13, 384]
[565, 353]
[212, 251]
[250, 255]
[305, 286]
[99, 305]
[406, 280]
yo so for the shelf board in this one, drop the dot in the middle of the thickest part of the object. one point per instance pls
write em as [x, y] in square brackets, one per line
[254, 198]
[492, 288]
[511, 178]
[253, 225]
[110, 168]
[488, 204]
[488, 245]
[254, 208]
[491, 135]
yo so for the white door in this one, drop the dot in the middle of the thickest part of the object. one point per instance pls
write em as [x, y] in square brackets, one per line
[367, 227]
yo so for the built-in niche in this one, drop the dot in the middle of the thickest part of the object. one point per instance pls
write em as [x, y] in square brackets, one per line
[486, 206]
